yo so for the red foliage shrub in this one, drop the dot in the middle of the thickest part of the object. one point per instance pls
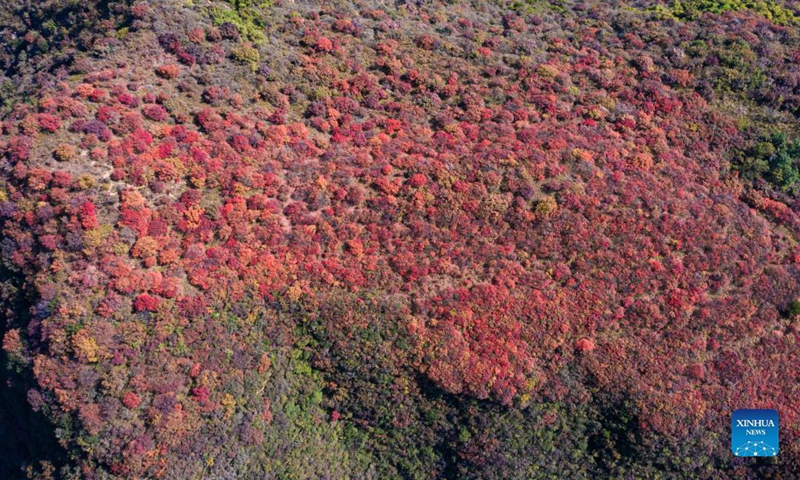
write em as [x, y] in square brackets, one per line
[140, 10]
[584, 345]
[12, 342]
[345, 25]
[107, 115]
[417, 180]
[215, 94]
[130, 122]
[197, 35]
[324, 45]
[88, 215]
[185, 57]
[386, 47]
[131, 400]
[278, 117]
[19, 148]
[145, 303]
[201, 393]
[156, 113]
[61, 179]
[210, 121]
[168, 71]
[169, 42]
[48, 123]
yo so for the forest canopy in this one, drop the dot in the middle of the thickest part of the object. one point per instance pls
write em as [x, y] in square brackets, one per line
[415, 239]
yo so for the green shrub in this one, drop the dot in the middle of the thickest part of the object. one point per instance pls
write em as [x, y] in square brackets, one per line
[775, 159]
[247, 54]
[794, 308]
[692, 9]
[537, 6]
[247, 15]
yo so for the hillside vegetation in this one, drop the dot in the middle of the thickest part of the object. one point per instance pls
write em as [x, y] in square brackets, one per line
[372, 240]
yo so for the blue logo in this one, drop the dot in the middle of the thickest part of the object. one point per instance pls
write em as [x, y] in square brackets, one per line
[754, 433]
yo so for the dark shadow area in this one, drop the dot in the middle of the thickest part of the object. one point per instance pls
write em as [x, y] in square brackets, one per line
[26, 437]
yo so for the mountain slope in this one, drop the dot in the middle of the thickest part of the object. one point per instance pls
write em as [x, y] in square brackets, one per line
[432, 240]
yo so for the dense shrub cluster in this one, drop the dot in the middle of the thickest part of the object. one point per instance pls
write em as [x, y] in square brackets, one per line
[774, 158]
[441, 239]
[692, 9]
